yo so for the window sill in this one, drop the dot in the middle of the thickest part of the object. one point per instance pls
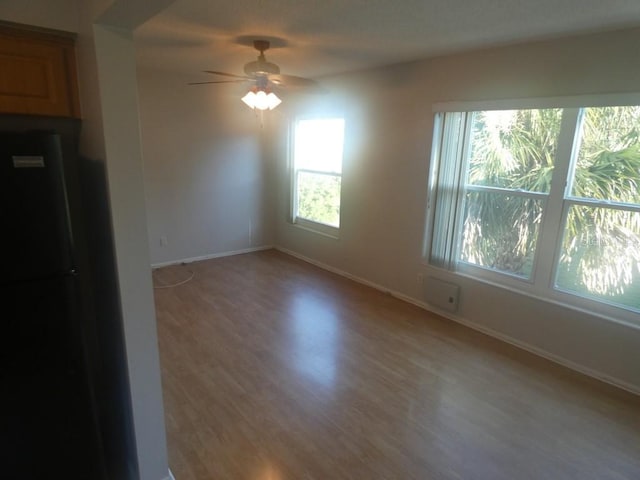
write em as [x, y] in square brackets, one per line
[602, 310]
[315, 227]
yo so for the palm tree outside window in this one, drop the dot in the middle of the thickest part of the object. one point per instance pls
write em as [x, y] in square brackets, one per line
[546, 200]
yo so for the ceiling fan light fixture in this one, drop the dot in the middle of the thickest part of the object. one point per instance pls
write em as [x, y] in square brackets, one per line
[261, 100]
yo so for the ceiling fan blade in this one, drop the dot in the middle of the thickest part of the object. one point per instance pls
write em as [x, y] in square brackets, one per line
[292, 81]
[217, 81]
[225, 74]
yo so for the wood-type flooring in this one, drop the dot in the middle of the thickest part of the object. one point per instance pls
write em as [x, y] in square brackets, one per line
[274, 369]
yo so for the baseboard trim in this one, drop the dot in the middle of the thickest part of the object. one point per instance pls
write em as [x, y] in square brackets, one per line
[474, 326]
[210, 256]
[171, 477]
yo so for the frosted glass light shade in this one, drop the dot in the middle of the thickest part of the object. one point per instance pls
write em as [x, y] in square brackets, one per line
[261, 100]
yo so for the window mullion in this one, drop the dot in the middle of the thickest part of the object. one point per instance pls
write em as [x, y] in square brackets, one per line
[506, 191]
[319, 172]
[551, 229]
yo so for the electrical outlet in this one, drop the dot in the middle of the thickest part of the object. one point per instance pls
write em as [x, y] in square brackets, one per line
[163, 241]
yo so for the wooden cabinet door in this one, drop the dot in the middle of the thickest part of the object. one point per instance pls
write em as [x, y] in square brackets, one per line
[37, 74]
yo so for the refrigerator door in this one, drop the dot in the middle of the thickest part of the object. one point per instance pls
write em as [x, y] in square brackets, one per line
[47, 425]
[36, 240]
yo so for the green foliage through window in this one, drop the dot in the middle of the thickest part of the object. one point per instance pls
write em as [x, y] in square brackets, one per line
[507, 169]
[319, 197]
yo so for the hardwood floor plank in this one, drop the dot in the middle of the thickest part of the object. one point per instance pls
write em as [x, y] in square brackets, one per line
[274, 369]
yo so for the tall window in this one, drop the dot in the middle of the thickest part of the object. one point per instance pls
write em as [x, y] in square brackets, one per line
[545, 200]
[317, 173]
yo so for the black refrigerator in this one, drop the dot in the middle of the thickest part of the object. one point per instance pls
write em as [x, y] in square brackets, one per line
[49, 424]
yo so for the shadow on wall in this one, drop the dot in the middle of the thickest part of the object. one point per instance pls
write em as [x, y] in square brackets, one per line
[112, 385]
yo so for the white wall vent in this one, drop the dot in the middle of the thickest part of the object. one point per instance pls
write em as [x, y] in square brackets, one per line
[441, 294]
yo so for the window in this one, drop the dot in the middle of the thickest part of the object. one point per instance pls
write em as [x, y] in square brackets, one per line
[317, 173]
[543, 200]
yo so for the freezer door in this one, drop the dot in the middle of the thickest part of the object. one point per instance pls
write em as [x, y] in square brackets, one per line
[36, 241]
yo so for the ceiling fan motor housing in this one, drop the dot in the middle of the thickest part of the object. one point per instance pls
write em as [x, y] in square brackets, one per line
[261, 66]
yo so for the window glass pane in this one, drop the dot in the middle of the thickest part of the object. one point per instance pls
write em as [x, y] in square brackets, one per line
[500, 232]
[318, 144]
[600, 255]
[319, 197]
[514, 149]
[608, 161]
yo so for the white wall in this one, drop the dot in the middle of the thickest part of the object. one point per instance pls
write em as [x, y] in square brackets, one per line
[205, 177]
[388, 145]
[118, 93]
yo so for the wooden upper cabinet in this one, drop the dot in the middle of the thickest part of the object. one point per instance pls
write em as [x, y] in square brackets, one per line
[38, 73]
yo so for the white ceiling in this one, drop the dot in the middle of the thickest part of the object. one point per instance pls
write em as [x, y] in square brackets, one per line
[320, 37]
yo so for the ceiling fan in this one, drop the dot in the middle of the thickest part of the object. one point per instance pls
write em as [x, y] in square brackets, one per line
[263, 76]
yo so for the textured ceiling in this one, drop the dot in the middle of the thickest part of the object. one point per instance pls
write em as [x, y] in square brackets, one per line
[320, 37]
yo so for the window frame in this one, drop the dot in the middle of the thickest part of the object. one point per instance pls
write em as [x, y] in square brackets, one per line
[303, 222]
[542, 284]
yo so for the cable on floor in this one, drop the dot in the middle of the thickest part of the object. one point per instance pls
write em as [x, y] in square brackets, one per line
[177, 284]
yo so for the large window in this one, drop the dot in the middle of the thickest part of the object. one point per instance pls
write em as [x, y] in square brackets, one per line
[543, 200]
[317, 173]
